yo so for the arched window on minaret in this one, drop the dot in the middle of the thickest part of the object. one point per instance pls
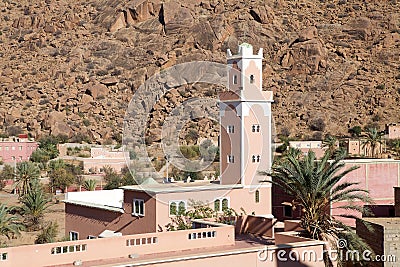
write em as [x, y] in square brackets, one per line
[257, 196]
[253, 158]
[235, 79]
[252, 78]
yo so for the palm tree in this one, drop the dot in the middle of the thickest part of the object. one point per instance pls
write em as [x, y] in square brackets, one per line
[48, 234]
[316, 185]
[330, 142]
[27, 173]
[34, 205]
[373, 138]
[90, 185]
[9, 224]
[79, 181]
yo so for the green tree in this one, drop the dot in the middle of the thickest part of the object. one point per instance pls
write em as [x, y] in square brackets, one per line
[316, 185]
[373, 138]
[40, 156]
[6, 174]
[27, 173]
[10, 225]
[127, 177]
[112, 178]
[48, 234]
[34, 205]
[61, 178]
[90, 185]
[330, 142]
[355, 131]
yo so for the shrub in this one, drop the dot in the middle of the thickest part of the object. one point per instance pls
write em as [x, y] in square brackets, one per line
[317, 124]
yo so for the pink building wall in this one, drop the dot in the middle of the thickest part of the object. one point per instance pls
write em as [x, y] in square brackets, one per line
[14, 149]
[115, 247]
[379, 177]
[393, 131]
[215, 247]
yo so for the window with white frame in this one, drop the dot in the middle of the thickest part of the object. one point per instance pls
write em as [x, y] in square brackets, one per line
[73, 235]
[255, 128]
[138, 207]
[177, 207]
[92, 237]
[231, 159]
[221, 204]
[231, 129]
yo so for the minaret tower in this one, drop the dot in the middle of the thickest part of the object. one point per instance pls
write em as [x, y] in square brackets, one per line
[245, 119]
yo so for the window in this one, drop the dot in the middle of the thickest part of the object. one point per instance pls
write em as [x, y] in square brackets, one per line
[255, 128]
[7, 148]
[288, 211]
[177, 207]
[231, 159]
[217, 205]
[201, 235]
[138, 207]
[172, 208]
[235, 79]
[231, 129]
[1, 148]
[91, 237]
[20, 158]
[13, 148]
[20, 148]
[221, 204]
[3, 256]
[73, 235]
[255, 158]
[252, 78]
[13, 157]
[257, 196]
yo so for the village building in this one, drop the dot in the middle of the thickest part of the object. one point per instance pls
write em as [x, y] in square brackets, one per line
[16, 149]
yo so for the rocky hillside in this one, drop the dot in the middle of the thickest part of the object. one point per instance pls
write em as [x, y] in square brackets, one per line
[71, 67]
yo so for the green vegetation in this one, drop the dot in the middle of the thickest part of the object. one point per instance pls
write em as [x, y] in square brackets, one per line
[355, 131]
[34, 205]
[90, 185]
[62, 174]
[316, 185]
[115, 180]
[10, 225]
[6, 174]
[373, 138]
[27, 174]
[48, 234]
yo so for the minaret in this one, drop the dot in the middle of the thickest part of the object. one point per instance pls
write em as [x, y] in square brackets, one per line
[245, 119]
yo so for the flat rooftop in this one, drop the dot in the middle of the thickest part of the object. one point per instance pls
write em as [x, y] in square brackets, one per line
[180, 187]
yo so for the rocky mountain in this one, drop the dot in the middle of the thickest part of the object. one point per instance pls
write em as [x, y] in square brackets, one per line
[71, 67]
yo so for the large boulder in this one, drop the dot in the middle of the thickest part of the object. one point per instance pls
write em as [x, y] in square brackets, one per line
[97, 90]
[175, 17]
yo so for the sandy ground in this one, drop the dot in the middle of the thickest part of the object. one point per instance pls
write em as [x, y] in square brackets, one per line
[54, 213]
